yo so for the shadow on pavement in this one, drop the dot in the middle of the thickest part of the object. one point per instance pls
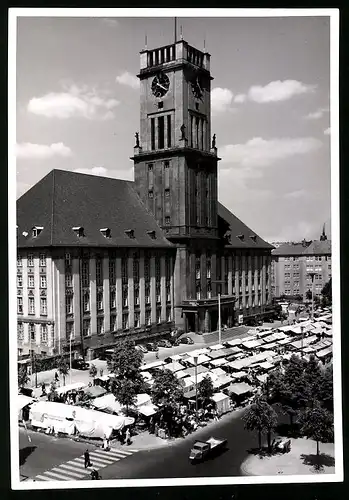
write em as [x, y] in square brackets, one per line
[318, 461]
[24, 454]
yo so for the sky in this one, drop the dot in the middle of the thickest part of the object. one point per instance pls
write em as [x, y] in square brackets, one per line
[78, 108]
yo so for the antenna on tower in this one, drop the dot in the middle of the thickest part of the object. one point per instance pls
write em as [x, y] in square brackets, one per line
[181, 32]
[175, 30]
[146, 41]
[204, 45]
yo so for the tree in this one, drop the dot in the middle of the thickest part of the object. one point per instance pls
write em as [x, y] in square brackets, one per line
[36, 364]
[166, 393]
[63, 368]
[126, 360]
[312, 374]
[308, 295]
[326, 388]
[261, 417]
[93, 371]
[205, 391]
[23, 377]
[317, 423]
[125, 392]
[326, 293]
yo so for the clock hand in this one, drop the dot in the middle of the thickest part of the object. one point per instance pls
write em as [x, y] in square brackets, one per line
[159, 85]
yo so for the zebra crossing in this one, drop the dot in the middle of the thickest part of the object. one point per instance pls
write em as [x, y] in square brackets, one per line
[74, 470]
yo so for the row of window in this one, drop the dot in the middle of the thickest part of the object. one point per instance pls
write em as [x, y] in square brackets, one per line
[32, 332]
[31, 306]
[31, 281]
[30, 260]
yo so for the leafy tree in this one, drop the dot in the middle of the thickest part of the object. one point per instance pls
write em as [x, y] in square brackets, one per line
[125, 392]
[36, 364]
[23, 377]
[166, 393]
[312, 374]
[126, 360]
[308, 295]
[62, 368]
[326, 293]
[93, 371]
[326, 388]
[317, 423]
[205, 391]
[261, 417]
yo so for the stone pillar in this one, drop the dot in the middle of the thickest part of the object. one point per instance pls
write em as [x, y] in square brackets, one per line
[141, 288]
[152, 290]
[93, 292]
[249, 270]
[179, 285]
[76, 297]
[118, 292]
[263, 281]
[131, 306]
[230, 275]
[243, 275]
[106, 294]
[172, 288]
[60, 304]
[196, 322]
[214, 274]
[207, 321]
[163, 287]
[203, 275]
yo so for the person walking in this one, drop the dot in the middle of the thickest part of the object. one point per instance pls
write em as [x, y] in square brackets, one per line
[128, 436]
[87, 459]
[56, 377]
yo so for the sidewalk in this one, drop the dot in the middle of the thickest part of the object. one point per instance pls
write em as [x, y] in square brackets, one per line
[300, 460]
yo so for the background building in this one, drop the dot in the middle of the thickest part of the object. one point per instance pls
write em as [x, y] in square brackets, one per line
[102, 258]
[295, 265]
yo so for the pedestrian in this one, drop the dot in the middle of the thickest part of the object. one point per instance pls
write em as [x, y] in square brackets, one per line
[87, 459]
[43, 389]
[157, 355]
[56, 377]
[128, 436]
[101, 372]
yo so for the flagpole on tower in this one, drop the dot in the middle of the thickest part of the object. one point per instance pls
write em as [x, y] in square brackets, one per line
[175, 30]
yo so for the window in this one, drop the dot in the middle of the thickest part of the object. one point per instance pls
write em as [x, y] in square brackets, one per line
[198, 266]
[112, 297]
[68, 280]
[136, 297]
[112, 272]
[137, 320]
[208, 267]
[158, 315]
[43, 281]
[32, 332]
[124, 270]
[19, 281]
[158, 293]
[86, 301]
[147, 294]
[99, 272]
[85, 270]
[99, 301]
[30, 260]
[125, 296]
[161, 130]
[19, 305]
[152, 133]
[31, 283]
[169, 131]
[168, 293]
[31, 305]
[113, 325]
[86, 327]
[136, 267]
[43, 306]
[69, 304]
[209, 290]
[151, 194]
[198, 292]
[167, 193]
[124, 321]
[20, 331]
[42, 259]
[19, 261]
[67, 260]
[147, 318]
[167, 221]
[287, 275]
[43, 333]
[100, 326]
[168, 314]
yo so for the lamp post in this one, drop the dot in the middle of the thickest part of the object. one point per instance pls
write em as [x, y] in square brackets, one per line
[302, 331]
[195, 358]
[70, 359]
[312, 276]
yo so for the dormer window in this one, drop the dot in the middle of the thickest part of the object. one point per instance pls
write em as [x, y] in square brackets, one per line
[79, 231]
[36, 231]
[253, 237]
[241, 237]
[25, 234]
[106, 232]
[151, 234]
[130, 233]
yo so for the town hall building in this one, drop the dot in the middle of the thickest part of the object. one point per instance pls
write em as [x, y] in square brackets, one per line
[101, 259]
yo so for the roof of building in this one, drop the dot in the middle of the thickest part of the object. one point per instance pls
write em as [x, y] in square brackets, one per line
[241, 236]
[64, 200]
[315, 247]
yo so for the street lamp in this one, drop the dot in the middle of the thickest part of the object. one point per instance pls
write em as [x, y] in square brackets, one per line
[195, 358]
[70, 359]
[312, 275]
[302, 331]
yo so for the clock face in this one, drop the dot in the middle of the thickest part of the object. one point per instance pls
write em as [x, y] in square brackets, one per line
[196, 87]
[160, 85]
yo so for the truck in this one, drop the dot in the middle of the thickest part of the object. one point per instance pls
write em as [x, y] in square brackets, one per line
[201, 449]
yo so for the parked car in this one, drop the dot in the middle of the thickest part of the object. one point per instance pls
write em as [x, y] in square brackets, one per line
[151, 346]
[186, 340]
[164, 343]
[80, 364]
[142, 348]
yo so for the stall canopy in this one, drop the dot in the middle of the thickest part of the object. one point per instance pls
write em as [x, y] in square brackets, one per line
[199, 378]
[197, 352]
[150, 366]
[201, 359]
[234, 342]
[266, 365]
[240, 388]
[23, 401]
[76, 386]
[107, 402]
[269, 346]
[328, 333]
[148, 410]
[181, 374]
[262, 378]
[218, 372]
[238, 375]
[105, 378]
[252, 344]
[174, 367]
[146, 376]
[222, 402]
[271, 338]
[222, 381]
[248, 338]
[218, 354]
[218, 362]
[176, 357]
[216, 347]
[94, 391]
[285, 341]
[191, 371]
[280, 335]
[324, 352]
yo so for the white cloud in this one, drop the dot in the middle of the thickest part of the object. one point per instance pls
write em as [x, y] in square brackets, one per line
[240, 98]
[110, 21]
[221, 99]
[128, 79]
[278, 91]
[258, 151]
[327, 131]
[319, 113]
[74, 102]
[100, 171]
[27, 150]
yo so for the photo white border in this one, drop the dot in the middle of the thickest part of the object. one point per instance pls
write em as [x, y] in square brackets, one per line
[333, 14]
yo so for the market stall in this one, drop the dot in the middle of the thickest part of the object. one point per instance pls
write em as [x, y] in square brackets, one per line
[222, 402]
[76, 386]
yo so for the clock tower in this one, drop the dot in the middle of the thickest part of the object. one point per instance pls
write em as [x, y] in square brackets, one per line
[175, 161]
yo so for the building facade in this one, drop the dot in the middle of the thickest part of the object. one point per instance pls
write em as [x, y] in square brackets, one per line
[100, 259]
[301, 267]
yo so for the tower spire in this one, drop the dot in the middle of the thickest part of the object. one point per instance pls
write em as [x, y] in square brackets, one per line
[323, 237]
[175, 30]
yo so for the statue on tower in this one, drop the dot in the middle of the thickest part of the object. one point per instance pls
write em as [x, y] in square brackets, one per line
[137, 139]
[183, 138]
[213, 141]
